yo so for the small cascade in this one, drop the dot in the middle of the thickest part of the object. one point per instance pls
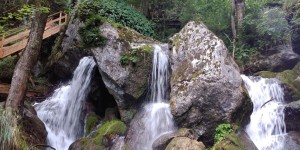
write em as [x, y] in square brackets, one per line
[61, 113]
[267, 128]
[158, 119]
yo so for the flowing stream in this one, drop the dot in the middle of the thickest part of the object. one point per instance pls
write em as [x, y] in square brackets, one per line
[267, 127]
[159, 119]
[62, 112]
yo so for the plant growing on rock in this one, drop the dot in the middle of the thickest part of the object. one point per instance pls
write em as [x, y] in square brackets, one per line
[90, 32]
[134, 55]
[222, 130]
[117, 12]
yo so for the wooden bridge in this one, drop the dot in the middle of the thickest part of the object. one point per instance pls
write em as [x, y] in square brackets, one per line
[16, 39]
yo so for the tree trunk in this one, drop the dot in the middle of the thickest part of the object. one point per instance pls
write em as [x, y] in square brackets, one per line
[144, 6]
[27, 61]
[240, 13]
[233, 28]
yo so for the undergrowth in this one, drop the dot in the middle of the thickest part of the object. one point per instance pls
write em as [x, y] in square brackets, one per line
[116, 11]
[10, 136]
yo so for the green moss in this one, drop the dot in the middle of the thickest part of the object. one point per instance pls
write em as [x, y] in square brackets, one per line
[135, 55]
[287, 76]
[229, 142]
[91, 122]
[266, 74]
[108, 129]
[195, 75]
[297, 68]
[116, 25]
[112, 127]
[7, 66]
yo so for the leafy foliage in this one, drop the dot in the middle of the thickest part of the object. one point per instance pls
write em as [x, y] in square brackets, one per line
[222, 130]
[117, 11]
[133, 56]
[90, 32]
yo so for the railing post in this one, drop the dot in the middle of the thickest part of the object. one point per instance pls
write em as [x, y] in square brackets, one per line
[60, 13]
[2, 45]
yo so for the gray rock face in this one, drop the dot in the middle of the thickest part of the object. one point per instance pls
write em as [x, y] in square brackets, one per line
[206, 87]
[292, 116]
[278, 58]
[33, 128]
[127, 83]
[65, 59]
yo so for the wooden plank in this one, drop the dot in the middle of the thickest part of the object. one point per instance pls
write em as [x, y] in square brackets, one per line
[51, 31]
[19, 36]
[4, 89]
[14, 48]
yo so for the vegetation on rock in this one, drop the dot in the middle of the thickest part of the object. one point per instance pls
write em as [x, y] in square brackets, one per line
[134, 55]
[115, 11]
[222, 130]
[90, 123]
[107, 130]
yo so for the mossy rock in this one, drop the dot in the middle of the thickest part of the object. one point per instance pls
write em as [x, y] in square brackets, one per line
[288, 77]
[106, 131]
[266, 74]
[91, 122]
[7, 66]
[229, 142]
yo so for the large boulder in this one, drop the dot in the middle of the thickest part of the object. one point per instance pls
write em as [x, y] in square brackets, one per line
[206, 87]
[125, 65]
[184, 143]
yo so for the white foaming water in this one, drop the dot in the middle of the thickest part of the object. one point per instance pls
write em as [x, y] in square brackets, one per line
[61, 112]
[267, 128]
[158, 118]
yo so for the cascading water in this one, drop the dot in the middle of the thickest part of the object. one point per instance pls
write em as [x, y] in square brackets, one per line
[158, 118]
[267, 128]
[61, 112]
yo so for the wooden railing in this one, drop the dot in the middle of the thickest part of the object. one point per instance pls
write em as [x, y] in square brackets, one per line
[15, 40]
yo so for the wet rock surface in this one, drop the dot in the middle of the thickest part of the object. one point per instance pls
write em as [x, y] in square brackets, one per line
[126, 82]
[206, 87]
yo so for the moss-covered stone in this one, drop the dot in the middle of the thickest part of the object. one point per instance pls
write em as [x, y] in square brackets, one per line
[266, 74]
[288, 77]
[91, 122]
[107, 130]
[7, 66]
[230, 142]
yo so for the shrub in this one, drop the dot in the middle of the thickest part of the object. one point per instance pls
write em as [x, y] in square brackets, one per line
[222, 130]
[90, 32]
[116, 11]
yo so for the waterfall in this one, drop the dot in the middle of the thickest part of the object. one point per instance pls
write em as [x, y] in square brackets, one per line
[267, 128]
[61, 112]
[158, 119]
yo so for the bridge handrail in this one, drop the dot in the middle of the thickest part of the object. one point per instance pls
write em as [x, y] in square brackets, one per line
[14, 36]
